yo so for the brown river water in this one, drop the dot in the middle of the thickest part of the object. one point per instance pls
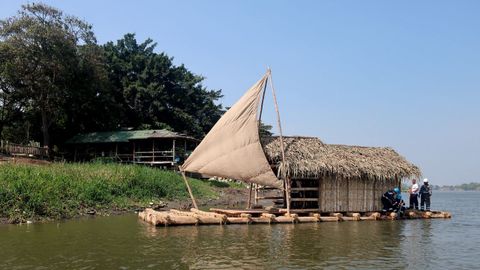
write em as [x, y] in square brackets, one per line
[123, 242]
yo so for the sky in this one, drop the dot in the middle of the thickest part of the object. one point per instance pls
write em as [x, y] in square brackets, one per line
[402, 74]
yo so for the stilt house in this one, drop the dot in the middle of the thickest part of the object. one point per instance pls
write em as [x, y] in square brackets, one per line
[153, 147]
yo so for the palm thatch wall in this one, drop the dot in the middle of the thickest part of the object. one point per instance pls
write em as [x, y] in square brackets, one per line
[349, 178]
[309, 157]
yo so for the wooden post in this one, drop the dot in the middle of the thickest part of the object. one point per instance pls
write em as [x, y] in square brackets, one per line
[173, 152]
[153, 150]
[185, 148]
[133, 154]
[249, 205]
[286, 179]
[189, 189]
[256, 194]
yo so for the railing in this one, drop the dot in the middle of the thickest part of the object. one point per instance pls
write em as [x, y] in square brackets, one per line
[23, 150]
[154, 157]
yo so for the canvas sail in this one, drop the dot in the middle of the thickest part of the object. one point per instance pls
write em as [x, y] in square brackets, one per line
[232, 148]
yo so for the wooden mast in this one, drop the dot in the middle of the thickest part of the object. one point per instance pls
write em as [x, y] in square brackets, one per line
[282, 167]
[249, 205]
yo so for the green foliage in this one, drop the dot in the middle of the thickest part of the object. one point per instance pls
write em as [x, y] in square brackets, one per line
[465, 187]
[63, 190]
[40, 60]
[157, 94]
[56, 81]
[265, 130]
[470, 186]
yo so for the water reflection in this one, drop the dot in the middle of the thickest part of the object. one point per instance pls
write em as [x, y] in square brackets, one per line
[123, 242]
[281, 245]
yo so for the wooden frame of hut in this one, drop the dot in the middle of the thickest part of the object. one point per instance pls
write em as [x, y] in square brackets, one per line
[337, 178]
[152, 147]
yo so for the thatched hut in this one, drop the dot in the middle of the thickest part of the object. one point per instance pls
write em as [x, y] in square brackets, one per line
[337, 178]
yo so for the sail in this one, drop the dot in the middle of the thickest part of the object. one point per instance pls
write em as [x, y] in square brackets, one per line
[232, 148]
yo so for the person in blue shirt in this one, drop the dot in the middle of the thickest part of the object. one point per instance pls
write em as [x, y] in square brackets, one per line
[389, 199]
[425, 194]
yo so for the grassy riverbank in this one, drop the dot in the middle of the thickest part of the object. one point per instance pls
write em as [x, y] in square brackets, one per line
[59, 191]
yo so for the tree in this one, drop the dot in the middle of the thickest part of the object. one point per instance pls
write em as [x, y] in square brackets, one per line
[157, 94]
[55, 81]
[265, 130]
[40, 57]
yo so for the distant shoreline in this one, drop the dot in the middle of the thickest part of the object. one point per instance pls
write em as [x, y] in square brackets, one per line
[462, 187]
[455, 190]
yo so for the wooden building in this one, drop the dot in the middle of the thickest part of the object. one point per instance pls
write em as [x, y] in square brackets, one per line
[153, 147]
[337, 178]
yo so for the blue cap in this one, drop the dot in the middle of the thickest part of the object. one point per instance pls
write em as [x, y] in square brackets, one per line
[396, 190]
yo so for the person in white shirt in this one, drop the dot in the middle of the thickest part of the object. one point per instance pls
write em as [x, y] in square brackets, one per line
[414, 195]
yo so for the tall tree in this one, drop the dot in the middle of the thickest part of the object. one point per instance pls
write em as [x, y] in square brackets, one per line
[40, 57]
[157, 94]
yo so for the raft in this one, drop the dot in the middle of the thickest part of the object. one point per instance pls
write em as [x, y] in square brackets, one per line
[259, 216]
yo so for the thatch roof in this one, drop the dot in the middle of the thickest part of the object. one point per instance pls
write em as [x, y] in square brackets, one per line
[310, 157]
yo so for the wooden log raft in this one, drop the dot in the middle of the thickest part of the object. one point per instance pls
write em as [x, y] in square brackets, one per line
[199, 217]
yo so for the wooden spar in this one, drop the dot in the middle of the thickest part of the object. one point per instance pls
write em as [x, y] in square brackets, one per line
[189, 189]
[261, 104]
[286, 179]
[249, 205]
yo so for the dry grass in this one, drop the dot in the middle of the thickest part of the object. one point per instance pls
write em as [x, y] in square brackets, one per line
[310, 157]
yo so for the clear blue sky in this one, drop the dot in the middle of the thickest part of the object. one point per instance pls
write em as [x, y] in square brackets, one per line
[404, 74]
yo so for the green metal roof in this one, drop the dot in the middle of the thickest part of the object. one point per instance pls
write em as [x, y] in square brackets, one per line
[124, 136]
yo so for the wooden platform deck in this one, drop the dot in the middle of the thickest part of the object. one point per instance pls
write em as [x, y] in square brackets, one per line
[272, 216]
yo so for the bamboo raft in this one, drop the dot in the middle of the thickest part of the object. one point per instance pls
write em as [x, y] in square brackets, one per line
[223, 216]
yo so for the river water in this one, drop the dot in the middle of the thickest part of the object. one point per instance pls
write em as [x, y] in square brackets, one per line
[123, 242]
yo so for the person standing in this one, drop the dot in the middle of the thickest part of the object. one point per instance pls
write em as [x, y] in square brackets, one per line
[425, 194]
[414, 195]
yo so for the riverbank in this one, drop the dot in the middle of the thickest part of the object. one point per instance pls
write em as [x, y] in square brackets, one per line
[67, 190]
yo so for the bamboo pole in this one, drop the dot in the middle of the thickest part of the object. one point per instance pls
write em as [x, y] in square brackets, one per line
[153, 150]
[189, 189]
[173, 152]
[249, 205]
[259, 126]
[133, 153]
[261, 104]
[282, 147]
[185, 148]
